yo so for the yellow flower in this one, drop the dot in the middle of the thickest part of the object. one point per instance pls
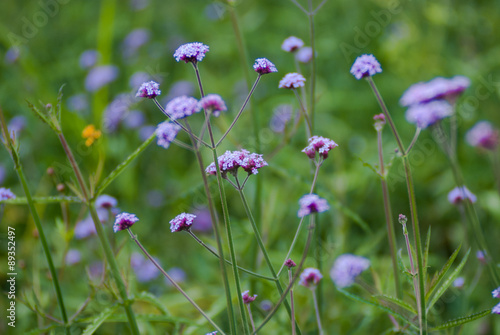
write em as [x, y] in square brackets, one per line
[90, 134]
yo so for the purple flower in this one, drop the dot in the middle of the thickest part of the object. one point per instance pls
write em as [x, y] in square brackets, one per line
[89, 58]
[214, 103]
[310, 277]
[365, 66]
[181, 222]
[212, 333]
[496, 309]
[124, 221]
[266, 305]
[144, 269]
[290, 264]
[312, 203]
[191, 52]
[137, 79]
[146, 131]
[483, 135]
[86, 227]
[437, 88]
[182, 107]
[12, 55]
[149, 90]
[292, 80]
[203, 221]
[379, 121]
[106, 201]
[100, 76]
[134, 40]
[481, 257]
[281, 115]
[459, 282]
[292, 44]
[181, 87]
[116, 111]
[304, 55]
[177, 274]
[17, 124]
[459, 194]
[6, 194]
[346, 268]
[2, 174]
[264, 66]
[134, 119]
[247, 298]
[230, 161]
[496, 293]
[73, 256]
[426, 114]
[166, 133]
[78, 102]
[321, 145]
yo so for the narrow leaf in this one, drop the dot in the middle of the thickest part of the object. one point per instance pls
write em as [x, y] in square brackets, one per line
[59, 104]
[149, 318]
[462, 320]
[41, 200]
[150, 298]
[426, 250]
[397, 302]
[435, 282]
[98, 320]
[38, 113]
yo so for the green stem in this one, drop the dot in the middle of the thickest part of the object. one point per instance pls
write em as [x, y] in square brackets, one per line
[304, 112]
[316, 309]
[312, 98]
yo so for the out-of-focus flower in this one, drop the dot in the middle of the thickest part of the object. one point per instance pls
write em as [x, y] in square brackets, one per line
[496, 293]
[266, 305]
[320, 145]
[365, 66]
[134, 40]
[89, 58]
[346, 268]
[17, 124]
[310, 277]
[6, 194]
[100, 76]
[78, 102]
[179, 88]
[203, 220]
[459, 194]
[292, 80]
[312, 203]
[182, 107]
[292, 44]
[90, 134]
[95, 270]
[150, 90]
[116, 111]
[106, 201]
[73, 256]
[191, 52]
[2, 174]
[437, 88]
[12, 55]
[137, 79]
[290, 264]
[144, 269]
[212, 333]
[134, 119]
[483, 135]
[214, 103]
[496, 309]
[304, 55]
[247, 298]
[379, 121]
[426, 114]
[124, 221]
[264, 66]
[85, 227]
[459, 282]
[177, 274]
[281, 115]
[230, 161]
[481, 257]
[181, 222]
[166, 133]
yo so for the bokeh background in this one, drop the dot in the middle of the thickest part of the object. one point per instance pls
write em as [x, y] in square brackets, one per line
[47, 44]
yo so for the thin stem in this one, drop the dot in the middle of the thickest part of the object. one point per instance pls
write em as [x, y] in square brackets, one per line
[414, 140]
[312, 98]
[250, 317]
[290, 280]
[316, 308]
[74, 165]
[412, 267]
[158, 266]
[304, 112]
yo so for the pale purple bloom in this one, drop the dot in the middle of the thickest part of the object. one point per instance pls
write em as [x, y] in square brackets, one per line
[115, 112]
[95, 270]
[496, 293]
[481, 257]
[17, 124]
[191, 52]
[100, 76]
[6, 194]
[230, 161]
[177, 274]
[181, 87]
[321, 145]
[12, 55]
[166, 133]
[89, 58]
[346, 268]
[124, 221]
[73, 256]
[304, 55]
[86, 227]
[214, 103]
[310, 277]
[146, 131]
[247, 298]
[496, 309]
[266, 305]
[149, 90]
[137, 79]
[203, 221]
[106, 201]
[292, 43]
[181, 222]
[365, 66]
[426, 114]
[459, 194]
[312, 203]
[459, 282]
[212, 333]
[182, 107]
[144, 269]
[290, 264]
[292, 80]
[134, 119]
[264, 66]
[437, 88]
[134, 40]
[483, 135]
[281, 115]
[78, 102]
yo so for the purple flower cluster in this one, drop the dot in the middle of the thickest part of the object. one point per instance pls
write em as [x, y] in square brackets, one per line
[312, 203]
[149, 90]
[483, 135]
[365, 66]
[264, 66]
[166, 133]
[106, 201]
[124, 221]
[6, 194]
[281, 115]
[191, 52]
[214, 103]
[100, 76]
[304, 55]
[459, 194]
[144, 269]
[247, 298]
[181, 107]
[104, 205]
[346, 268]
[290, 264]
[292, 44]
[496, 294]
[424, 115]
[230, 161]
[310, 277]
[292, 80]
[181, 222]
[320, 145]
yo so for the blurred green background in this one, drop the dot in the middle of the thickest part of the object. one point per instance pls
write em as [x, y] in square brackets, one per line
[413, 40]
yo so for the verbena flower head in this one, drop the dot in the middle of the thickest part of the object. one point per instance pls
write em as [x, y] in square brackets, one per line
[459, 282]
[106, 201]
[181, 222]
[483, 135]
[124, 221]
[181, 107]
[191, 52]
[496, 309]
[166, 133]
[6, 194]
[292, 44]
[312, 203]
[346, 268]
[365, 66]
[214, 103]
[247, 298]
[150, 90]
[72, 257]
[143, 268]
[459, 194]
[290, 264]
[426, 114]
[89, 58]
[230, 161]
[496, 293]
[292, 80]
[379, 121]
[264, 66]
[304, 55]
[320, 145]
[212, 333]
[310, 277]
[100, 76]
[437, 88]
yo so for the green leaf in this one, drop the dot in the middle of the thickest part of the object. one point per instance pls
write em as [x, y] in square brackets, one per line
[444, 286]
[462, 320]
[150, 298]
[426, 250]
[371, 167]
[38, 113]
[41, 200]
[98, 320]
[59, 104]
[436, 280]
[397, 302]
[44, 330]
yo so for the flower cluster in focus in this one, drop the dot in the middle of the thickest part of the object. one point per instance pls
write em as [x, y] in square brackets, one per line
[230, 161]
